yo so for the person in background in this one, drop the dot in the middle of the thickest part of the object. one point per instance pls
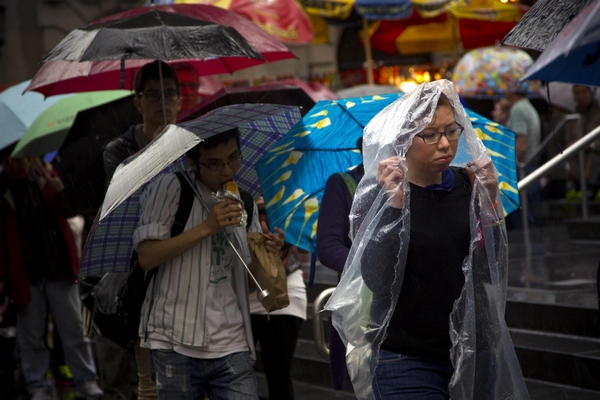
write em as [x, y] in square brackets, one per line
[333, 246]
[501, 111]
[554, 185]
[588, 107]
[278, 331]
[38, 266]
[148, 95]
[189, 84]
[148, 100]
[525, 121]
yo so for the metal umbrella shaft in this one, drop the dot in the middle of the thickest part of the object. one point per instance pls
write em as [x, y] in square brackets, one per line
[262, 293]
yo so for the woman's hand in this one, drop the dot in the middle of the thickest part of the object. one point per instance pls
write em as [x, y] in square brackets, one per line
[487, 175]
[275, 241]
[224, 214]
[390, 174]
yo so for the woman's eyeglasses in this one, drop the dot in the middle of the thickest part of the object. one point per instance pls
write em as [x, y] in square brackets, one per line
[434, 137]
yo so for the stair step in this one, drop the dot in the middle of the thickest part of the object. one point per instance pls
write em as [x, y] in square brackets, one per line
[554, 318]
[562, 359]
[587, 230]
[540, 390]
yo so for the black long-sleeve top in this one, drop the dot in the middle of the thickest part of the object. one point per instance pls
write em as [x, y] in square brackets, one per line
[433, 277]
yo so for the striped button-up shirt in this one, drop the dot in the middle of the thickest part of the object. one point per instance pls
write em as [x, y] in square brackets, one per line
[175, 304]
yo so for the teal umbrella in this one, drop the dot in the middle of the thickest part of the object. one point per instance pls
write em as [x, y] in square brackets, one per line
[50, 128]
[293, 173]
[19, 110]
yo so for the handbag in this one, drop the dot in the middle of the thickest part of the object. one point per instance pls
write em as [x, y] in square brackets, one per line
[269, 272]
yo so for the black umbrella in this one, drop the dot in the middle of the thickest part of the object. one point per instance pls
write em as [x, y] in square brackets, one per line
[542, 23]
[154, 35]
[275, 93]
[79, 160]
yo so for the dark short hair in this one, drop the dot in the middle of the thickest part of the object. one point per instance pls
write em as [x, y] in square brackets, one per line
[151, 72]
[214, 141]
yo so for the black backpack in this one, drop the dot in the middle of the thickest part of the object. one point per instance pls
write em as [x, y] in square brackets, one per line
[114, 301]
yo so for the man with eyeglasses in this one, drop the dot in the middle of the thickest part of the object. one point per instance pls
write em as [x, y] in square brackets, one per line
[148, 99]
[196, 315]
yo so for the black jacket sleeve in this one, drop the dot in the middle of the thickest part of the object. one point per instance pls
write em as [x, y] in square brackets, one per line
[115, 152]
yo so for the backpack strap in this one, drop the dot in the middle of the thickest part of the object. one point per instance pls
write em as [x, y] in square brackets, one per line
[186, 201]
[350, 182]
[248, 205]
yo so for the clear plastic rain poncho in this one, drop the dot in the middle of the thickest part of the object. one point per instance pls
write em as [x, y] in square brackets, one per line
[484, 360]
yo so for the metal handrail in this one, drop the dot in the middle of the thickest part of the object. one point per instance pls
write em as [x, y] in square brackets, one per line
[568, 153]
[318, 331]
[550, 136]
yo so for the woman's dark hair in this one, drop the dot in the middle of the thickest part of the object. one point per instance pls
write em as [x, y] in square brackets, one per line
[150, 72]
[214, 141]
[444, 101]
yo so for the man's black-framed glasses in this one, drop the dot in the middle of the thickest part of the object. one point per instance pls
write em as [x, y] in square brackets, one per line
[217, 166]
[153, 96]
[434, 137]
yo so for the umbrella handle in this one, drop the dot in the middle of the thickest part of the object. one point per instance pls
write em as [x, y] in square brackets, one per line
[262, 293]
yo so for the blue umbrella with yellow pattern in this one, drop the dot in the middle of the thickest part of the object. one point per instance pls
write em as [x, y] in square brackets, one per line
[294, 172]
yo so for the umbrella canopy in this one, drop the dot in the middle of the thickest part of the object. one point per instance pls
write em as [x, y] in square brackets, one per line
[153, 35]
[109, 245]
[63, 76]
[561, 94]
[384, 9]
[317, 91]
[491, 72]
[79, 160]
[472, 26]
[574, 55]
[542, 23]
[275, 93]
[432, 8]
[366, 90]
[18, 110]
[283, 19]
[50, 128]
[294, 172]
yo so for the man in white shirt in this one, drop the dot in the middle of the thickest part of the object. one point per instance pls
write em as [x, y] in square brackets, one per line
[196, 318]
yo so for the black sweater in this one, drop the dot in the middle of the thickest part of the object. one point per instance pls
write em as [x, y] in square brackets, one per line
[433, 278]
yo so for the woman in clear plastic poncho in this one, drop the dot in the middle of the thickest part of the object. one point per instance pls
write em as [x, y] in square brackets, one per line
[421, 301]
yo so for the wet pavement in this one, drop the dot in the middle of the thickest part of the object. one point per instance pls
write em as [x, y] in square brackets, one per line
[553, 269]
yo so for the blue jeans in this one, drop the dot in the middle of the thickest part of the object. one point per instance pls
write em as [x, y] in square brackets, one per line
[399, 377]
[180, 377]
[61, 298]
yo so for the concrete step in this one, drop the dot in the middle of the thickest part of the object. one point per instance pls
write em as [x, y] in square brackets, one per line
[553, 318]
[540, 390]
[558, 358]
[584, 230]
[556, 211]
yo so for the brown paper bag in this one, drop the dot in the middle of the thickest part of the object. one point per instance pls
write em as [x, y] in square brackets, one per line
[269, 272]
